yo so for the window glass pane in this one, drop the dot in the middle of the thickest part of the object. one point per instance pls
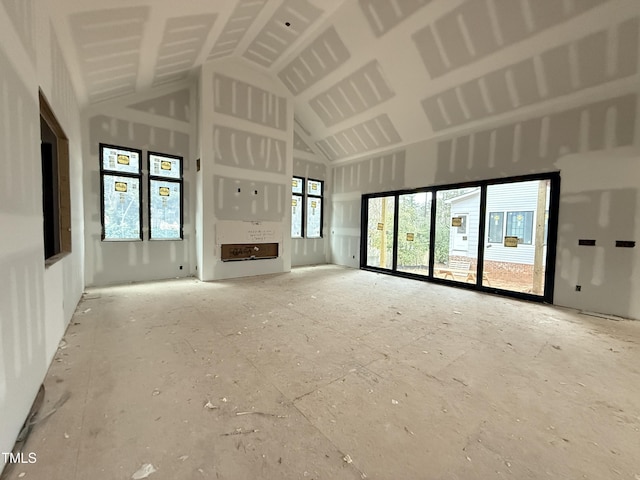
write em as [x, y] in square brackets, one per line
[297, 184]
[460, 221]
[456, 236]
[496, 227]
[314, 217]
[296, 216]
[162, 166]
[165, 202]
[414, 228]
[314, 187]
[517, 266]
[121, 205]
[120, 160]
[520, 224]
[380, 221]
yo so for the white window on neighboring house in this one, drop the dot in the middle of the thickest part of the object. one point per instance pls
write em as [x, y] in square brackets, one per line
[496, 227]
[520, 224]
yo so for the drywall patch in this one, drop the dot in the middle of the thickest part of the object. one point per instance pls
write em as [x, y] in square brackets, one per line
[603, 271]
[230, 204]
[304, 129]
[345, 250]
[63, 97]
[104, 129]
[19, 144]
[324, 55]
[115, 261]
[173, 105]
[22, 15]
[181, 44]
[441, 46]
[308, 169]
[24, 334]
[248, 102]
[110, 68]
[445, 109]
[276, 37]
[610, 124]
[242, 17]
[370, 135]
[308, 251]
[557, 69]
[374, 174]
[383, 15]
[346, 213]
[300, 144]
[363, 89]
[242, 149]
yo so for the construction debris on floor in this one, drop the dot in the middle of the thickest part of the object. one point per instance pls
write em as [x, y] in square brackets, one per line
[332, 373]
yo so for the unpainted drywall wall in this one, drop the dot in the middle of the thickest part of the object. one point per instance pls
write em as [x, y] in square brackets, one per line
[94, 31]
[36, 304]
[558, 92]
[245, 143]
[379, 75]
[601, 201]
[349, 182]
[161, 121]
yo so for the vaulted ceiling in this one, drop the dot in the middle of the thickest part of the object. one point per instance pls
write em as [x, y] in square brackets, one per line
[366, 75]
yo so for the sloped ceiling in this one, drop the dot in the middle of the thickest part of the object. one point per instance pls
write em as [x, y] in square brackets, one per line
[366, 75]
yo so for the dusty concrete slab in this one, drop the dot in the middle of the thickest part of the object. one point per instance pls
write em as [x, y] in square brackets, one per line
[286, 376]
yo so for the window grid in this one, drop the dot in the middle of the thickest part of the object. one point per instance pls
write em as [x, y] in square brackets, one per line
[307, 207]
[165, 183]
[520, 224]
[120, 172]
[297, 207]
[496, 227]
[314, 212]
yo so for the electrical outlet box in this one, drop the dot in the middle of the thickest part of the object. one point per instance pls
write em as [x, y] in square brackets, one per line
[587, 242]
[625, 243]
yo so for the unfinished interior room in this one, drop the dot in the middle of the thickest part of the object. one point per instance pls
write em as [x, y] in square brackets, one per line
[319, 239]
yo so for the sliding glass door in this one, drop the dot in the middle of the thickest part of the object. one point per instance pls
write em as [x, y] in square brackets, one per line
[456, 223]
[492, 235]
[380, 232]
[517, 219]
[414, 230]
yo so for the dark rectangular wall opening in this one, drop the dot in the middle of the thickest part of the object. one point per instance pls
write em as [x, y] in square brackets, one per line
[50, 204]
[56, 201]
[248, 251]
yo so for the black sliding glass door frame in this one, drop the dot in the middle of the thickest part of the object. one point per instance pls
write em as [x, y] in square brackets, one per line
[475, 276]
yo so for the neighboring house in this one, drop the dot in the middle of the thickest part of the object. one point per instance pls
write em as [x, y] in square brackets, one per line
[511, 211]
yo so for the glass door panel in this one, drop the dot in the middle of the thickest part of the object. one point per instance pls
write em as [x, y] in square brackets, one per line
[414, 228]
[456, 224]
[380, 222]
[516, 236]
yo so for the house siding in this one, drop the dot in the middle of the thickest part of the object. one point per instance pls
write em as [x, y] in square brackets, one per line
[468, 206]
[511, 197]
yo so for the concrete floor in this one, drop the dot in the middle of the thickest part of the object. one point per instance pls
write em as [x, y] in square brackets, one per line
[332, 373]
